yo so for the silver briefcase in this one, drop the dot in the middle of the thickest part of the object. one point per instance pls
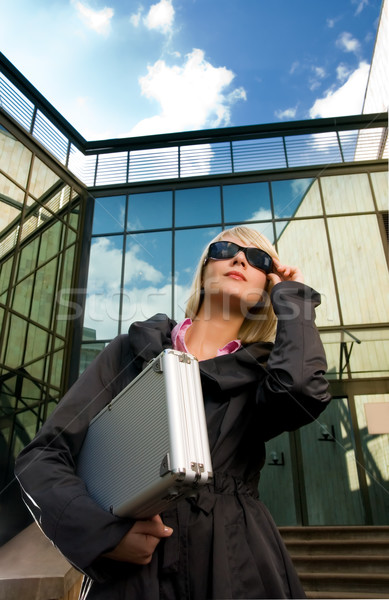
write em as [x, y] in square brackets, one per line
[149, 447]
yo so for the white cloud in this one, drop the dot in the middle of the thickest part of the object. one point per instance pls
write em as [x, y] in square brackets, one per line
[347, 43]
[361, 5]
[104, 272]
[263, 214]
[319, 72]
[342, 72]
[160, 16]
[98, 20]
[347, 99]
[191, 96]
[288, 113]
[135, 18]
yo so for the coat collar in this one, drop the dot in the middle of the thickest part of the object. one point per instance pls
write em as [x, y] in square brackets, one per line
[148, 338]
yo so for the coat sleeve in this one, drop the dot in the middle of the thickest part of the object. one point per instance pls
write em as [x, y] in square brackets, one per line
[295, 390]
[56, 497]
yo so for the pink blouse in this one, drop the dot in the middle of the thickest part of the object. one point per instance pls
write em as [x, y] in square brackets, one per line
[178, 339]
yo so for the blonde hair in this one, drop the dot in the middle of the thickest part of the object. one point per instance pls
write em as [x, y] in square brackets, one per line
[260, 323]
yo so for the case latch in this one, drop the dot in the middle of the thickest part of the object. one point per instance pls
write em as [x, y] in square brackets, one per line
[165, 465]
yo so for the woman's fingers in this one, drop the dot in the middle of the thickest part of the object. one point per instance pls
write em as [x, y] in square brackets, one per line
[285, 273]
[139, 543]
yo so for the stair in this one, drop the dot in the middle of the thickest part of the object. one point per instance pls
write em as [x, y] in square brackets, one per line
[340, 562]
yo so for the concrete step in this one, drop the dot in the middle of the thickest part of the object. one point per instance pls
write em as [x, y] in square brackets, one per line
[338, 547]
[324, 563]
[348, 532]
[345, 595]
[350, 583]
[340, 562]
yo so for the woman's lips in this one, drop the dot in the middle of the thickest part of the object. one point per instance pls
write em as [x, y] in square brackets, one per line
[236, 275]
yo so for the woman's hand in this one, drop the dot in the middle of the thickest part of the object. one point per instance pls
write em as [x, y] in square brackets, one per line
[284, 273]
[139, 543]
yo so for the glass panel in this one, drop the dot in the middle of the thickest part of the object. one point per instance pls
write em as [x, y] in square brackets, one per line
[264, 228]
[89, 351]
[108, 216]
[147, 287]
[347, 194]
[304, 243]
[25, 430]
[189, 246]
[31, 391]
[36, 343]
[153, 210]
[197, 206]
[103, 289]
[22, 296]
[42, 179]
[27, 259]
[292, 196]
[50, 242]
[380, 187]
[329, 466]
[246, 202]
[55, 374]
[370, 357]
[11, 202]
[373, 423]
[15, 342]
[44, 290]
[74, 217]
[5, 275]
[277, 475]
[361, 269]
[15, 158]
[357, 353]
[66, 309]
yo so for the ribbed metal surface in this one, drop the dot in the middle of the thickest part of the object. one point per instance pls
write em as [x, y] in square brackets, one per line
[117, 449]
[15, 103]
[158, 163]
[112, 168]
[193, 159]
[261, 154]
[50, 137]
[313, 149]
[205, 159]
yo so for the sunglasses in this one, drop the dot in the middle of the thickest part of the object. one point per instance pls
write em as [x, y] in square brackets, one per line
[255, 257]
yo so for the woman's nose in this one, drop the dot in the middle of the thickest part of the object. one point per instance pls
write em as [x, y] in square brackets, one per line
[240, 259]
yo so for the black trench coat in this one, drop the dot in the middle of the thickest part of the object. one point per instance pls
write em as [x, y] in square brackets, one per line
[225, 543]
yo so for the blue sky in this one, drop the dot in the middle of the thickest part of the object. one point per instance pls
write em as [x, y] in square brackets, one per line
[115, 68]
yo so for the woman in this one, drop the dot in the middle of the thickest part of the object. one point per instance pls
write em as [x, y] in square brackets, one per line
[222, 543]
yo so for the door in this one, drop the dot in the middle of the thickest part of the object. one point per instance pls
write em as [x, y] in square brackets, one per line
[333, 471]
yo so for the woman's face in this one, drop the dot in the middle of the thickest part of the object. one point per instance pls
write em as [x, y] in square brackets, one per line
[234, 278]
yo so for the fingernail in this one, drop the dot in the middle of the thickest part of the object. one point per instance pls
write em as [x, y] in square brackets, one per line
[167, 529]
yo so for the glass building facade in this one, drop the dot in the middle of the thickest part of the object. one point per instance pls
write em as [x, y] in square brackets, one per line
[96, 235]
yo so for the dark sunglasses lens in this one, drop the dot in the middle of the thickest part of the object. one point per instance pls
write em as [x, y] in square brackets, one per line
[222, 250]
[259, 259]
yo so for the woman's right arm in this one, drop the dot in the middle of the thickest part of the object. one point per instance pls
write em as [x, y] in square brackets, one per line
[56, 497]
